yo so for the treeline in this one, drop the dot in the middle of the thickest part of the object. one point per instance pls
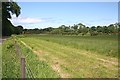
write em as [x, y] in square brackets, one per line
[8, 28]
[77, 29]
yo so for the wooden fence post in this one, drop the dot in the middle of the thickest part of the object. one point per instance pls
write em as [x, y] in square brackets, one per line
[23, 71]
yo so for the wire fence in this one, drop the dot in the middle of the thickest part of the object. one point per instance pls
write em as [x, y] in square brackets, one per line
[26, 71]
[29, 72]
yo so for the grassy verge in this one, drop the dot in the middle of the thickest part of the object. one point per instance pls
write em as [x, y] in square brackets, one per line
[11, 63]
[0, 61]
[10, 60]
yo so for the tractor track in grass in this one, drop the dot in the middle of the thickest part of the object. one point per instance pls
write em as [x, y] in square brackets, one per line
[55, 66]
[56, 63]
[101, 59]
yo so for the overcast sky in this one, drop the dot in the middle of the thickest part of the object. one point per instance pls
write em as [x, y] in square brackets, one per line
[54, 14]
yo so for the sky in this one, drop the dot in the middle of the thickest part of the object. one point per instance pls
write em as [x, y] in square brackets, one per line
[54, 14]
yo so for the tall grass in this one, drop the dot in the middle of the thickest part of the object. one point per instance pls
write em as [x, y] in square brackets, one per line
[40, 69]
[10, 60]
[104, 44]
[0, 61]
[77, 56]
[11, 63]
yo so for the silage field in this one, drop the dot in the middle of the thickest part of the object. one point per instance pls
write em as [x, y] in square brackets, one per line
[65, 56]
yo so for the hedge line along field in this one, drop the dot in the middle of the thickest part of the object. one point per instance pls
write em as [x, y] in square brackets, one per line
[76, 56]
[11, 66]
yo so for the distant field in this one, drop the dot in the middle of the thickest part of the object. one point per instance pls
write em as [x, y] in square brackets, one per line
[71, 56]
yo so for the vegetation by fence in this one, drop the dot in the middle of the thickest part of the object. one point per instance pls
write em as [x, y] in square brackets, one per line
[69, 49]
[12, 52]
[25, 69]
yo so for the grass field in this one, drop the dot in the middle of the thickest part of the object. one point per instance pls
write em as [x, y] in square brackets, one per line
[69, 56]
[76, 56]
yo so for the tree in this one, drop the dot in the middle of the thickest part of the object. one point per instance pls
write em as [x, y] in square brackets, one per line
[80, 27]
[7, 9]
[56, 31]
[111, 28]
[105, 30]
[118, 24]
[49, 29]
[19, 29]
[74, 29]
[64, 29]
[99, 29]
[85, 30]
[93, 31]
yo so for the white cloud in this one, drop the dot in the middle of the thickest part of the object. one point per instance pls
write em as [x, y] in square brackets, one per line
[25, 20]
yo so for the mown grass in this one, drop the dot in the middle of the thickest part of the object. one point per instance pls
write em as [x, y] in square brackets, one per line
[104, 44]
[11, 62]
[77, 56]
[40, 69]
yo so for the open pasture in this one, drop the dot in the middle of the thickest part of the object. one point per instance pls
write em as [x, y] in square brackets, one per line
[76, 56]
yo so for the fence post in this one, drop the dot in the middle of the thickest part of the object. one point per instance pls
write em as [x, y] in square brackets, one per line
[23, 72]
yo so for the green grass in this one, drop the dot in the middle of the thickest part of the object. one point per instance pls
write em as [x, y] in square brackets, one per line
[11, 63]
[105, 45]
[77, 56]
[0, 61]
[10, 60]
[40, 69]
